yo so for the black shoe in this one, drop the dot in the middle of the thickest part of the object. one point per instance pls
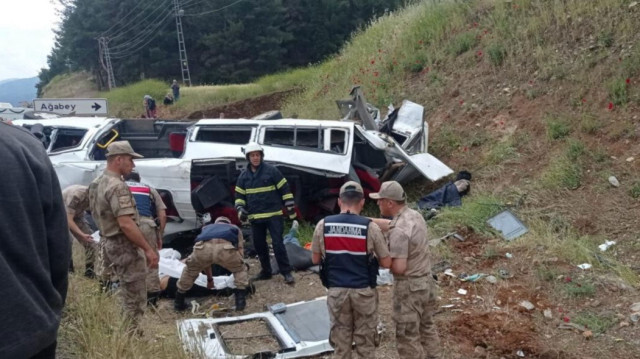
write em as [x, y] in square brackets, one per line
[288, 278]
[89, 273]
[261, 276]
[179, 304]
[241, 299]
[152, 299]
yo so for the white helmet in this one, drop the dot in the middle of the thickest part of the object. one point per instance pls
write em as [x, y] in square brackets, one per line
[252, 147]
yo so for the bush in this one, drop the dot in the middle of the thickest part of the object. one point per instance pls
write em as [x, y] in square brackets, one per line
[462, 43]
[634, 191]
[496, 53]
[618, 92]
[557, 128]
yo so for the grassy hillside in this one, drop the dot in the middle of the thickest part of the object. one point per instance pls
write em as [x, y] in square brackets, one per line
[539, 100]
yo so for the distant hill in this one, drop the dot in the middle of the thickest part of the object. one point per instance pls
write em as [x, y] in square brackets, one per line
[18, 90]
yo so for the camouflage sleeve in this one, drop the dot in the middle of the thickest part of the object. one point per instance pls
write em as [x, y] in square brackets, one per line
[317, 242]
[398, 243]
[120, 200]
[157, 200]
[376, 242]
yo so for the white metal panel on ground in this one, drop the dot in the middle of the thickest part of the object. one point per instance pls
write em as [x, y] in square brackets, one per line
[298, 337]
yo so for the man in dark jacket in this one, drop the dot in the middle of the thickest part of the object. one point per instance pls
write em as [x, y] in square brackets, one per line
[35, 250]
[261, 192]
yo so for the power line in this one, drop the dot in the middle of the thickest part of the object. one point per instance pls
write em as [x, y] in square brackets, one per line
[152, 22]
[215, 10]
[133, 11]
[141, 43]
[143, 34]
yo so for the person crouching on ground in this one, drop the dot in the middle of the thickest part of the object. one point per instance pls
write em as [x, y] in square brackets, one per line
[219, 243]
[346, 244]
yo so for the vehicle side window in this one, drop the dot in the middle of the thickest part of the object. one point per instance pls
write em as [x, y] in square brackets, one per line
[66, 139]
[278, 136]
[306, 138]
[235, 135]
[338, 141]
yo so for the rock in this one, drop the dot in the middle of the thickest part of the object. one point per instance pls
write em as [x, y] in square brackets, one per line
[527, 305]
[468, 259]
[624, 323]
[635, 307]
[587, 334]
[634, 318]
[614, 181]
[595, 303]
[491, 279]
[480, 351]
[548, 314]
[633, 4]
[630, 159]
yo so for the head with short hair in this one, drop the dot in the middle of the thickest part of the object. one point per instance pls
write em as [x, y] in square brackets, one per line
[391, 198]
[351, 197]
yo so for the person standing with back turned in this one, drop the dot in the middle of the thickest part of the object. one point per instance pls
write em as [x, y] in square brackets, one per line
[261, 191]
[414, 290]
[345, 244]
[114, 209]
[35, 250]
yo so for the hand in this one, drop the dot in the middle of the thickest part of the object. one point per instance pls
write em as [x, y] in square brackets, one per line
[87, 238]
[243, 215]
[152, 258]
[291, 209]
[209, 283]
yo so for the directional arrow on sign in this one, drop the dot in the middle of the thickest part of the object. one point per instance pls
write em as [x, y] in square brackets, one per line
[96, 107]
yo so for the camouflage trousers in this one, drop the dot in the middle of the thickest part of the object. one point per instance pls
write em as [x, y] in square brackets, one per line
[104, 270]
[414, 301]
[214, 251]
[129, 264]
[90, 249]
[150, 231]
[354, 315]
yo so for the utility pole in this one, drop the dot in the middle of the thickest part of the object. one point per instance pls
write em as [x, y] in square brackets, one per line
[184, 65]
[105, 61]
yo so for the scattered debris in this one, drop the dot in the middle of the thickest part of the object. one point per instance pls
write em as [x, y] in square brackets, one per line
[447, 306]
[508, 255]
[473, 277]
[572, 326]
[462, 291]
[630, 159]
[450, 273]
[614, 181]
[504, 274]
[527, 305]
[635, 307]
[520, 353]
[624, 323]
[508, 224]
[587, 334]
[584, 266]
[491, 279]
[548, 314]
[603, 247]
[634, 318]
[384, 277]
[633, 4]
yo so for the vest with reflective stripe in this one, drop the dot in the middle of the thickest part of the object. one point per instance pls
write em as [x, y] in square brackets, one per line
[224, 231]
[345, 243]
[142, 195]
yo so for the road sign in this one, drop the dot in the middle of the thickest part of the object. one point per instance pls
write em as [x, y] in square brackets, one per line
[72, 106]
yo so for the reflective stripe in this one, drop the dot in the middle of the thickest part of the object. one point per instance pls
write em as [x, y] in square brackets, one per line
[282, 183]
[265, 215]
[260, 189]
[240, 202]
[240, 190]
[287, 196]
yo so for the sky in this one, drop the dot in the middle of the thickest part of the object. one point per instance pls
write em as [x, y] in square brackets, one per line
[26, 37]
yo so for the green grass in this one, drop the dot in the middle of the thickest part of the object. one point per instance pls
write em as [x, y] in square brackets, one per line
[462, 43]
[547, 273]
[590, 124]
[497, 53]
[474, 213]
[634, 191]
[557, 128]
[580, 289]
[562, 173]
[618, 92]
[501, 152]
[597, 323]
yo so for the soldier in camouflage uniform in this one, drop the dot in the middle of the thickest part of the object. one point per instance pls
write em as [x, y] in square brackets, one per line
[153, 219]
[345, 244]
[125, 247]
[219, 243]
[76, 201]
[414, 295]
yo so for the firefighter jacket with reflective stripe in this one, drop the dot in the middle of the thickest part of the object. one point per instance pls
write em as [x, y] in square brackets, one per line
[228, 232]
[263, 192]
[144, 200]
[347, 262]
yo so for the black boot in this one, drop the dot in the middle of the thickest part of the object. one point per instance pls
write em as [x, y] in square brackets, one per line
[261, 276]
[179, 304]
[152, 299]
[241, 299]
[88, 271]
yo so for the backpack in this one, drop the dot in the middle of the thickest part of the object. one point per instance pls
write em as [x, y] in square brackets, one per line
[151, 103]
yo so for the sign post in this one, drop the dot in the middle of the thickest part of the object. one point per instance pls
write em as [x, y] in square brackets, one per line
[72, 106]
